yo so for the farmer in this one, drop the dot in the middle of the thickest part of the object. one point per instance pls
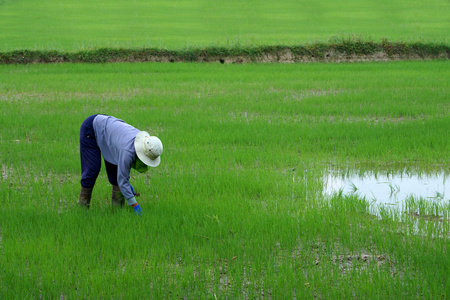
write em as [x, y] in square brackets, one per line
[123, 147]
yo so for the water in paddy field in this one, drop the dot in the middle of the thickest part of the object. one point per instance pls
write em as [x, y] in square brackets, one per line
[388, 188]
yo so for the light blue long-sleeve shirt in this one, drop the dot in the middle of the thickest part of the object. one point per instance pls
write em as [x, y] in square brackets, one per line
[115, 138]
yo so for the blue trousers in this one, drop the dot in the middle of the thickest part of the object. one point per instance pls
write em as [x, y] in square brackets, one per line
[91, 157]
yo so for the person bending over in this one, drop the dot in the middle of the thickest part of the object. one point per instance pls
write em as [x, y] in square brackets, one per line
[123, 147]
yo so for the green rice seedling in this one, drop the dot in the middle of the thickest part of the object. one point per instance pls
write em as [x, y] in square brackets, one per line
[438, 195]
[353, 188]
[394, 190]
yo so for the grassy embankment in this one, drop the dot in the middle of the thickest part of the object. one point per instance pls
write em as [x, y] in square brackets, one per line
[235, 209]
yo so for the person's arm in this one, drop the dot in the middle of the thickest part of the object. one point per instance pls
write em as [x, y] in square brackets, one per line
[136, 207]
[123, 178]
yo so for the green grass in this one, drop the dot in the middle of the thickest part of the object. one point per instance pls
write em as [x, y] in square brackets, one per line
[66, 25]
[236, 207]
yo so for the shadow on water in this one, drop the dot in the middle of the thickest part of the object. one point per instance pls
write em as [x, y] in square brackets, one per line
[391, 189]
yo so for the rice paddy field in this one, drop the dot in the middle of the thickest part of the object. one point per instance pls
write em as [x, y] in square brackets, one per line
[238, 208]
[178, 24]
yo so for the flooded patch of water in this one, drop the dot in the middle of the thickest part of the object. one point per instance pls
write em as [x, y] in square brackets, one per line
[388, 188]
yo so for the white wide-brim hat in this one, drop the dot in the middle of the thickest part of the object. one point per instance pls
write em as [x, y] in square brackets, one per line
[148, 148]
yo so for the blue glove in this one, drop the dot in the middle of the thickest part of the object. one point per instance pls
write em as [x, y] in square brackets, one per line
[137, 210]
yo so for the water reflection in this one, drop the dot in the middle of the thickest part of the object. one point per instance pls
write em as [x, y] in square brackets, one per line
[388, 188]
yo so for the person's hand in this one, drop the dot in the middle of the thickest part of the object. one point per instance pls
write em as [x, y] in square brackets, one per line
[137, 210]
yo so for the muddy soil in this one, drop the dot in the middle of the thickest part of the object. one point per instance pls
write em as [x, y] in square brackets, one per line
[287, 56]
